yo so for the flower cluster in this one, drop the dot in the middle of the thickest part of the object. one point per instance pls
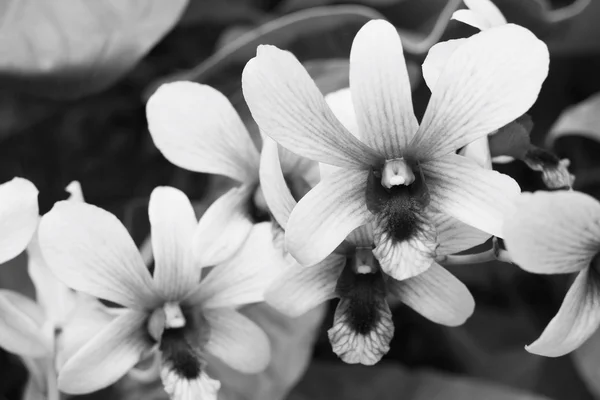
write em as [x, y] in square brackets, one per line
[343, 196]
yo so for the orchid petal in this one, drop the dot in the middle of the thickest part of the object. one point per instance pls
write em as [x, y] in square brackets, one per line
[90, 251]
[455, 236]
[482, 14]
[300, 289]
[340, 102]
[273, 185]
[356, 348]
[173, 223]
[288, 107]
[107, 356]
[556, 232]
[237, 341]
[435, 294]
[243, 278]
[18, 216]
[223, 228]
[361, 236]
[180, 388]
[297, 167]
[21, 323]
[437, 58]
[407, 258]
[381, 89]
[577, 319]
[478, 197]
[489, 81]
[56, 299]
[196, 128]
[326, 215]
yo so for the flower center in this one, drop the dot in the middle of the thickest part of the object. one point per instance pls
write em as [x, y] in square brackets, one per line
[258, 209]
[361, 284]
[398, 198]
[396, 172]
[182, 334]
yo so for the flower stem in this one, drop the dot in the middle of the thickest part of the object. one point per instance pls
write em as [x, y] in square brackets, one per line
[51, 381]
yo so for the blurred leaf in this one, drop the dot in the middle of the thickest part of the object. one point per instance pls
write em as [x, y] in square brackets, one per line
[280, 32]
[71, 48]
[392, 382]
[587, 362]
[582, 119]
[295, 5]
[223, 12]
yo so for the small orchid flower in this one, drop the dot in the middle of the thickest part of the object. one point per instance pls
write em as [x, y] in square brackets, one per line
[196, 128]
[18, 216]
[398, 170]
[557, 233]
[46, 332]
[171, 309]
[363, 327]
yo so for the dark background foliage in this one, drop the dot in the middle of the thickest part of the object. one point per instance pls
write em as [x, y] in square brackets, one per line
[95, 131]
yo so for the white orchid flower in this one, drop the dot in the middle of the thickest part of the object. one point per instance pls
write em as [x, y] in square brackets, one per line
[397, 171]
[171, 309]
[559, 233]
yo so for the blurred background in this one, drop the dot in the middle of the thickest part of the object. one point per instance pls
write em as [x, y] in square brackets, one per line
[74, 78]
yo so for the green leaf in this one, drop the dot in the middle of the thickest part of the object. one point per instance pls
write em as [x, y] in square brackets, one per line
[70, 48]
[392, 382]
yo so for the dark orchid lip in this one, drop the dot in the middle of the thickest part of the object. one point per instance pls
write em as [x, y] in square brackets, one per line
[181, 348]
[398, 207]
[363, 291]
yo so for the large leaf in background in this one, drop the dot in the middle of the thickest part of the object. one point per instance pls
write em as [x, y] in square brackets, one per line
[70, 48]
[336, 381]
[279, 32]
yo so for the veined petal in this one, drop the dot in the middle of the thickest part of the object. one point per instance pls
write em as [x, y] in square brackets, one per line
[554, 232]
[435, 294]
[273, 185]
[90, 250]
[288, 106]
[180, 388]
[107, 356]
[21, 323]
[437, 57]
[300, 289]
[88, 318]
[455, 236]
[489, 81]
[479, 151]
[326, 215]
[173, 223]
[295, 166]
[482, 14]
[237, 341]
[479, 197]
[361, 236]
[577, 319]
[381, 89]
[223, 228]
[18, 216]
[243, 278]
[406, 258]
[196, 128]
[340, 102]
[354, 347]
[56, 299]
